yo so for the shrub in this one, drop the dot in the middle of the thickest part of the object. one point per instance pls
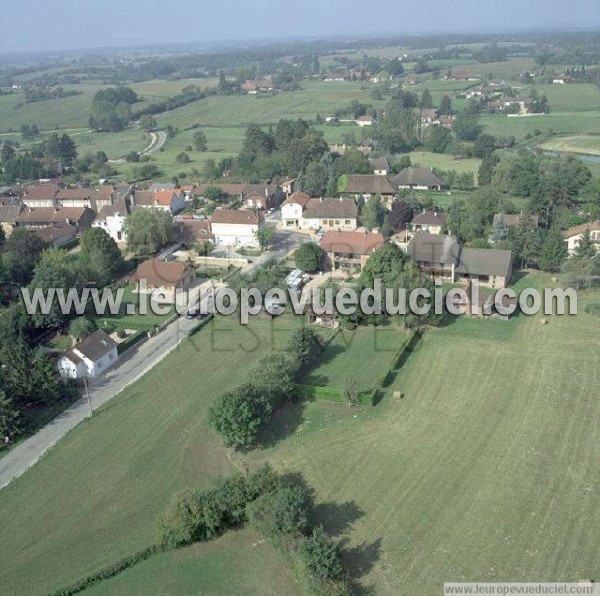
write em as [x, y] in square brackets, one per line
[308, 256]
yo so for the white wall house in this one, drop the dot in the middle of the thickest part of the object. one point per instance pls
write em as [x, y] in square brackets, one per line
[90, 357]
[112, 219]
[292, 210]
[573, 235]
[232, 227]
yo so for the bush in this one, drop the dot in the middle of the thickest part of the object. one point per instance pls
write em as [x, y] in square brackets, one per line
[305, 346]
[308, 257]
[81, 327]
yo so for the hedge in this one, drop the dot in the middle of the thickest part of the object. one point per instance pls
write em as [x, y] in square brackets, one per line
[132, 340]
[125, 324]
[331, 394]
[200, 324]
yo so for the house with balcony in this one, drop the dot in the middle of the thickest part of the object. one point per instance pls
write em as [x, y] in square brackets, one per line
[349, 250]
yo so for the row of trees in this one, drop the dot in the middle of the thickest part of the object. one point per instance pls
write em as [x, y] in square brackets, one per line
[281, 506]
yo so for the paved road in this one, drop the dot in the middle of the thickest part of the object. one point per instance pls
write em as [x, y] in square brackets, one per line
[157, 140]
[135, 363]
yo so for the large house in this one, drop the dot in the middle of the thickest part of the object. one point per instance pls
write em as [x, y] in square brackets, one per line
[368, 185]
[90, 357]
[573, 235]
[419, 179]
[431, 222]
[292, 210]
[232, 227]
[76, 197]
[435, 255]
[40, 195]
[349, 251]
[442, 257]
[330, 214]
[112, 219]
[79, 217]
[171, 200]
[486, 266]
[167, 276]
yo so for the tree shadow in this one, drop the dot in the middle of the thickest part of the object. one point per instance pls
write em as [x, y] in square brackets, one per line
[359, 561]
[337, 518]
[285, 422]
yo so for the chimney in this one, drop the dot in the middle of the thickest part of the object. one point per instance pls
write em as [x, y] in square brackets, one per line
[435, 214]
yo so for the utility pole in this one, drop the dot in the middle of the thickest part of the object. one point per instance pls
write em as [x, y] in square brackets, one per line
[87, 393]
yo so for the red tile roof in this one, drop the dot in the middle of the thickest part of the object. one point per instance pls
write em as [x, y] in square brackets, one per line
[362, 243]
[241, 217]
[297, 198]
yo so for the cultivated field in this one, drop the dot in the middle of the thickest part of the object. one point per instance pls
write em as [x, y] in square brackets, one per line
[486, 470]
[574, 144]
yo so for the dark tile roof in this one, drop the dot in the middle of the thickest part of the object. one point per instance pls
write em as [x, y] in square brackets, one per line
[94, 346]
[55, 232]
[485, 261]
[434, 248]
[298, 198]
[342, 208]
[430, 218]
[161, 273]
[119, 207]
[41, 192]
[417, 177]
[51, 215]
[9, 213]
[379, 163]
[369, 184]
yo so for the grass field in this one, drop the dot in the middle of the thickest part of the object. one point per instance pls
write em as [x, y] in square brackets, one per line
[486, 470]
[361, 356]
[445, 162]
[574, 144]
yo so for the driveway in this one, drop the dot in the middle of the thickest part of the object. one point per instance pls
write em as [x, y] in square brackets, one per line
[135, 363]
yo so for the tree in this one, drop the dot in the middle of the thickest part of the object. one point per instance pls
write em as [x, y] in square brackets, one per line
[9, 417]
[182, 157]
[81, 327]
[22, 249]
[466, 126]
[100, 256]
[445, 108]
[500, 229]
[321, 557]
[147, 122]
[590, 194]
[264, 235]
[400, 215]
[148, 230]
[372, 213]
[211, 170]
[554, 251]
[199, 140]
[2, 241]
[308, 257]
[315, 179]
[438, 138]
[426, 101]
[215, 194]
[585, 248]
[54, 269]
[394, 67]
[238, 415]
[486, 169]
[304, 346]
[484, 145]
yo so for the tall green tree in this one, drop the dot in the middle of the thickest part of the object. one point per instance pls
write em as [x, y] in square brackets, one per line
[22, 250]
[553, 252]
[100, 256]
[199, 140]
[372, 213]
[148, 230]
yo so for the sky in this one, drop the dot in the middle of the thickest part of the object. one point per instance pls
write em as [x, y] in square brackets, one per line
[37, 25]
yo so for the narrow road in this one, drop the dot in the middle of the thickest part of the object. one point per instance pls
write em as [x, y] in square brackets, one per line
[157, 140]
[135, 363]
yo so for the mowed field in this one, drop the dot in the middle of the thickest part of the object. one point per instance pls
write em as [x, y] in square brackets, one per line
[486, 470]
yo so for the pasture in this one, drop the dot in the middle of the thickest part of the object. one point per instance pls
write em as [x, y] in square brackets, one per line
[486, 470]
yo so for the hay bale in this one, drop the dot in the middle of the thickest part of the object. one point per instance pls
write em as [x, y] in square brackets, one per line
[398, 395]
[543, 321]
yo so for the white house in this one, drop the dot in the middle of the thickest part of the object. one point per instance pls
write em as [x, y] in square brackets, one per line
[112, 219]
[330, 214]
[90, 357]
[573, 235]
[364, 121]
[232, 227]
[292, 209]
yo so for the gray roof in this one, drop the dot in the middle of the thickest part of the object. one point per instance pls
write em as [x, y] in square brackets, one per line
[434, 248]
[9, 213]
[161, 186]
[55, 232]
[331, 208]
[379, 163]
[430, 218]
[417, 177]
[119, 207]
[485, 261]
[369, 184]
[94, 346]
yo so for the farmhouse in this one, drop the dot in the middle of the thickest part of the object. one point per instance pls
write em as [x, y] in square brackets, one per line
[435, 255]
[112, 219]
[349, 251]
[90, 357]
[380, 166]
[57, 235]
[431, 222]
[486, 266]
[573, 235]
[365, 121]
[168, 276]
[80, 217]
[75, 197]
[236, 228]
[419, 179]
[9, 214]
[339, 213]
[172, 201]
[40, 195]
[368, 185]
